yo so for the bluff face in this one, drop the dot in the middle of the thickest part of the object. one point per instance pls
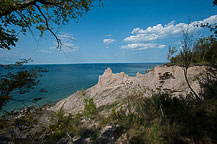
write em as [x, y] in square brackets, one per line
[115, 87]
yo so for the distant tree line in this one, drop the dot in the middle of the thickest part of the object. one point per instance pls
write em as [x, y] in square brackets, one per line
[204, 51]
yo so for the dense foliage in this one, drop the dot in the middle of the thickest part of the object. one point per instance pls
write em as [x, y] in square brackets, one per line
[18, 16]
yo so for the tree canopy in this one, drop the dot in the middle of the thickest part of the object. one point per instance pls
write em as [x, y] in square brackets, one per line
[215, 2]
[39, 14]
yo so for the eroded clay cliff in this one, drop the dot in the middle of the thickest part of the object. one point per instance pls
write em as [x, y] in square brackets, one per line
[115, 87]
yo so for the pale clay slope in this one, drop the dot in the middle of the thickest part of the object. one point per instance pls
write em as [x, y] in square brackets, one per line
[115, 87]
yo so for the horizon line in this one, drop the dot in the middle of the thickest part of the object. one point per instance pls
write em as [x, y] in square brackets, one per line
[94, 63]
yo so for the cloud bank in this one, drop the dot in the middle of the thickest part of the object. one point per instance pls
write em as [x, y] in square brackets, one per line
[161, 31]
[140, 38]
[142, 46]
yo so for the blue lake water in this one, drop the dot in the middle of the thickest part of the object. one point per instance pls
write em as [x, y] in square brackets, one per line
[63, 80]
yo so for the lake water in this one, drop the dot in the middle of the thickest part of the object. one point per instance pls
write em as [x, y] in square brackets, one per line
[63, 80]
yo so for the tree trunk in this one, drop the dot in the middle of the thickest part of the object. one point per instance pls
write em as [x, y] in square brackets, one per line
[204, 55]
[188, 83]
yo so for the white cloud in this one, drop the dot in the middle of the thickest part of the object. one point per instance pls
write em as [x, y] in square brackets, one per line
[69, 47]
[141, 39]
[162, 31]
[68, 43]
[161, 46]
[67, 37]
[109, 41]
[141, 46]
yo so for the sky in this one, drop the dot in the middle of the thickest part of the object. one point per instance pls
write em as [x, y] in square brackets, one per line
[120, 31]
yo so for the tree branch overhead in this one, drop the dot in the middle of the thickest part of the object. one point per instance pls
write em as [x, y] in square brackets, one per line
[38, 14]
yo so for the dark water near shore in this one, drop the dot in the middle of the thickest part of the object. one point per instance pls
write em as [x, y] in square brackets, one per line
[63, 80]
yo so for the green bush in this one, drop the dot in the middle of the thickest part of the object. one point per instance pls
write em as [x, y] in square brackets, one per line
[89, 108]
[62, 123]
[163, 118]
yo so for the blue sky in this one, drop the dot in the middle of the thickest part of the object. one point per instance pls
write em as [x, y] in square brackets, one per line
[120, 31]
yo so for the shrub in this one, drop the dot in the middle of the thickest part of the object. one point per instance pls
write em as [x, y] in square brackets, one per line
[89, 108]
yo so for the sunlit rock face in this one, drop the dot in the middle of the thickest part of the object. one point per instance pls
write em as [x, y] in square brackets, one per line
[108, 79]
[115, 87]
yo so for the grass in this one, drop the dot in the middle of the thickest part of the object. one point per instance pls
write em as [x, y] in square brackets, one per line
[107, 107]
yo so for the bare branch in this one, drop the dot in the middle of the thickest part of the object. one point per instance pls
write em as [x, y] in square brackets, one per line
[48, 28]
